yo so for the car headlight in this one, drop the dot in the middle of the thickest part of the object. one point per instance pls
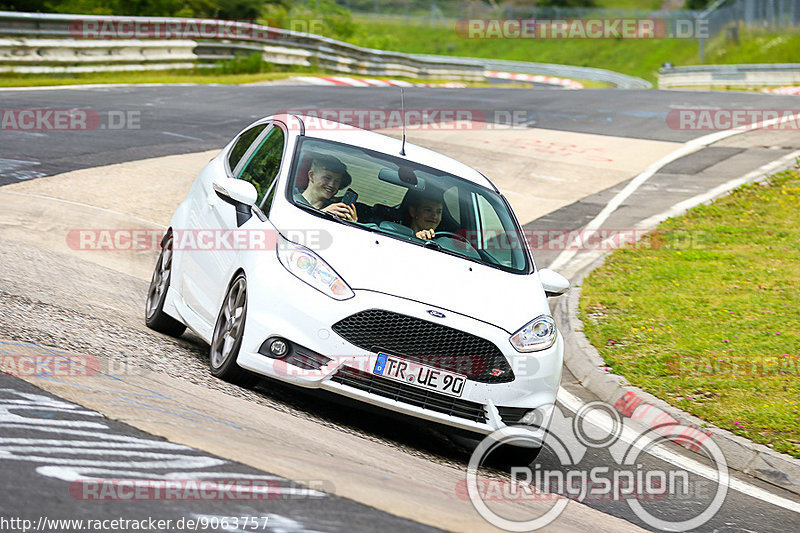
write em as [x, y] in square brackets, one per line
[538, 334]
[312, 269]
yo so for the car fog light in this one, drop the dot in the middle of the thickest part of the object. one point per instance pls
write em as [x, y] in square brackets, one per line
[278, 348]
[532, 418]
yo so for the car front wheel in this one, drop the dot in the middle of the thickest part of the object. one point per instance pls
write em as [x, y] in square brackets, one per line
[227, 339]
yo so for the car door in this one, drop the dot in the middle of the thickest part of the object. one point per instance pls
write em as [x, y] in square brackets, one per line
[256, 157]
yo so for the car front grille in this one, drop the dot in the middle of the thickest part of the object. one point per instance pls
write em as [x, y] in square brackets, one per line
[426, 342]
[395, 390]
[514, 415]
[307, 359]
[299, 356]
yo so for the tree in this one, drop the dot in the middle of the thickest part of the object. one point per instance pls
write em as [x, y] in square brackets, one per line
[23, 5]
[225, 9]
[567, 3]
[697, 5]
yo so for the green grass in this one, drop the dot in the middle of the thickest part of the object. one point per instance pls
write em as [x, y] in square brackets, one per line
[718, 286]
[641, 5]
[755, 47]
[641, 58]
[637, 58]
[172, 76]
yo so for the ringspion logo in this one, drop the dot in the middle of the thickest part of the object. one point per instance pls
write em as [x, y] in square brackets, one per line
[572, 472]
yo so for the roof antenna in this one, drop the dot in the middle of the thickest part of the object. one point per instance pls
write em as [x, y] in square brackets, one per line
[403, 111]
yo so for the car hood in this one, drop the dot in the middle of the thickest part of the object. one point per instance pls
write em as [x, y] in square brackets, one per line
[375, 262]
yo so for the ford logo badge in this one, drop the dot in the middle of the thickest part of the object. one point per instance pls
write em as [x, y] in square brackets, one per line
[437, 314]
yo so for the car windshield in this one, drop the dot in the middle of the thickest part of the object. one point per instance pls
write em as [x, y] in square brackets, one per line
[408, 201]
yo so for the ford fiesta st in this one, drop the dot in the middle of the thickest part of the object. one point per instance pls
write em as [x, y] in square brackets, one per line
[331, 257]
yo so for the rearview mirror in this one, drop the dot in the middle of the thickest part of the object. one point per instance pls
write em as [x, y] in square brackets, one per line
[553, 283]
[405, 179]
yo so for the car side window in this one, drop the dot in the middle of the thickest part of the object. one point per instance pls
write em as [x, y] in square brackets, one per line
[243, 143]
[264, 163]
[451, 202]
[494, 237]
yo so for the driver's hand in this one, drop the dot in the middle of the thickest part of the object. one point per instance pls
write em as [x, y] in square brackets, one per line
[341, 210]
[425, 234]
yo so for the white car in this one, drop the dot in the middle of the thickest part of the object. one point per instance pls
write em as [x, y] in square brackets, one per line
[419, 296]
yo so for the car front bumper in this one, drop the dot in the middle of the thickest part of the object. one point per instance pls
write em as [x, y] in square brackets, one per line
[283, 306]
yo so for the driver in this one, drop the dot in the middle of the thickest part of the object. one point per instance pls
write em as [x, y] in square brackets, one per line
[424, 214]
[326, 177]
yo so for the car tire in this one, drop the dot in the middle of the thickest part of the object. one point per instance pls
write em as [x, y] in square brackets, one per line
[503, 457]
[155, 317]
[227, 338]
[506, 456]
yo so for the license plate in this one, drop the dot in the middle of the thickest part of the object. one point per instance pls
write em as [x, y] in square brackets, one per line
[419, 375]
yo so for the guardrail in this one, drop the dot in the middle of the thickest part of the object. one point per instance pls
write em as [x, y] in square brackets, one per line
[31, 39]
[617, 79]
[37, 56]
[741, 76]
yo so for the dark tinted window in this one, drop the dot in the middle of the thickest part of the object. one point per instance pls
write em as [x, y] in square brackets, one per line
[397, 196]
[242, 144]
[264, 163]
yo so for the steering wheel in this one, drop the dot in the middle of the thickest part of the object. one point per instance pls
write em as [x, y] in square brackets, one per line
[452, 235]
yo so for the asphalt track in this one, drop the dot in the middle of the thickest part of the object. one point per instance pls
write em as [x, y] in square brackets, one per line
[190, 119]
[175, 120]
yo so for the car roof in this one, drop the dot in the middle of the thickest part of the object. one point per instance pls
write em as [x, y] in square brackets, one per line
[318, 128]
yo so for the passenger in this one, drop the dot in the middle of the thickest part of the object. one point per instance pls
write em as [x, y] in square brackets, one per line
[326, 177]
[424, 214]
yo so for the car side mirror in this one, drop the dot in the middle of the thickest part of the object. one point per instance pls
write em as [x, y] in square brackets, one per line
[235, 191]
[553, 283]
[239, 193]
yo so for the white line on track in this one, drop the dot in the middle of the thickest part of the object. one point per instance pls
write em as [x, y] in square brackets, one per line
[181, 136]
[720, 190]
[566, 257]
[576, 265]
[688, 148]
[630, 436]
